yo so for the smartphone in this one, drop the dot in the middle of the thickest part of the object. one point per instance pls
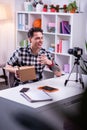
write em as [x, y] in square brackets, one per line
[48, 88]
[24, 90]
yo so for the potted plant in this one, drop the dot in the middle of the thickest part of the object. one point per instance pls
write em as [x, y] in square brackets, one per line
[86, 47]
[84, 63]
[57, 8]
[45, 8]
[72, 7]
[65, 8]
[37, 5]
[52, 8]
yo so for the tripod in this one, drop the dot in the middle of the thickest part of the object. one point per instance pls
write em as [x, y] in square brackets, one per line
[78, 73]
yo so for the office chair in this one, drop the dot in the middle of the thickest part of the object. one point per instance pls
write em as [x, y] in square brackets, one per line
[11, 79]
[4, 76]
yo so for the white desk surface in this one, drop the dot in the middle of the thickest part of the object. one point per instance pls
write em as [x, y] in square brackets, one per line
[71, 89]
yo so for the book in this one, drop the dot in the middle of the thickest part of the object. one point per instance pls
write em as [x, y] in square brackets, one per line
[60, 46]
[36, 95]
[61, 27]
[20, 21]
[67, 28]
[65, 46]
[64, 23]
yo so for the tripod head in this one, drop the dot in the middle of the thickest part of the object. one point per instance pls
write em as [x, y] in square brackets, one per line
[77, 60]
[76, 51]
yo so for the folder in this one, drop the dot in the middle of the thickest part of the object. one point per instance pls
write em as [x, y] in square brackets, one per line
[36, 95]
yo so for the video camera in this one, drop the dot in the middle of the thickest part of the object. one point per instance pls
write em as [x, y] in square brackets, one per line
[76, 51]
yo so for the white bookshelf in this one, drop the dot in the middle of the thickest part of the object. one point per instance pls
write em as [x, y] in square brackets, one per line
[75, 39]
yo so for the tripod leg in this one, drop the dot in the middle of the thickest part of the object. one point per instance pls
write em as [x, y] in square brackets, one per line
[69, 76]
[80, 78]
[76, 72]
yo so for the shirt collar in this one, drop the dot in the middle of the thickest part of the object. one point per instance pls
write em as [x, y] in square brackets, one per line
[29, 50]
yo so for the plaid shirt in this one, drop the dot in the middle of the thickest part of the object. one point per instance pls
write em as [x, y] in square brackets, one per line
[25, 57]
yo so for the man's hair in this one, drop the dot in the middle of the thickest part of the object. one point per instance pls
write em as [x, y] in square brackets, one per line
[33, 30]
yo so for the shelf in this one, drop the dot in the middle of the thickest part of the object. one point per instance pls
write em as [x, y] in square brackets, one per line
[56, 37]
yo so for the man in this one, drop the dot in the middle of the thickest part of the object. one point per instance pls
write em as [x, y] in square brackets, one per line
[35, 55]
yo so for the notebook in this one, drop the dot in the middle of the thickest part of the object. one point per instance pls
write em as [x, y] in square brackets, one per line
[36, 95]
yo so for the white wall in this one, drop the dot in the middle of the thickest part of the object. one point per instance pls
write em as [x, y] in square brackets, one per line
[82, 7]
[7, 29]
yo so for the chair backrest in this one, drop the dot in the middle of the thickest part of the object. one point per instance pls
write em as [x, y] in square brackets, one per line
[4, 75]
[11, 79]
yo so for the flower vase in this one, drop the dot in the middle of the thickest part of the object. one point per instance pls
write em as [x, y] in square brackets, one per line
[39, 7]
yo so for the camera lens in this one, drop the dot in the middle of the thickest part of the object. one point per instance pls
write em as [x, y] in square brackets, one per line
[76, 51]
[70, 51]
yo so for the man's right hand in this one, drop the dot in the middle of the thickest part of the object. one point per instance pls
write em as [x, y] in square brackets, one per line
[13, 70]
[17, 74]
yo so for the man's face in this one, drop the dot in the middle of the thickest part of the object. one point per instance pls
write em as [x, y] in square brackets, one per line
[37, 40]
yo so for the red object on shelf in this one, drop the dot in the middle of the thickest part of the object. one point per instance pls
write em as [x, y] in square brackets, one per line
[52, 10]
[44, 10]
[57, 48]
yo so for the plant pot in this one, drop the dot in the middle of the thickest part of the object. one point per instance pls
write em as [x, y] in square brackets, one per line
[44, 9]
[28, 6]
[73, 11]
[52, 10]
[39, 7]
[65, 10]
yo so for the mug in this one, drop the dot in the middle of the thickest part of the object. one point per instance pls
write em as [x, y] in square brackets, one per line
[66, 68]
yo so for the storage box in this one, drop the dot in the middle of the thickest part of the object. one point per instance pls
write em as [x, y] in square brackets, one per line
[27, 73]
[51, 27]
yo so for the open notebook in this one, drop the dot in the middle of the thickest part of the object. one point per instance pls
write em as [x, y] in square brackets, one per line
[36, 95]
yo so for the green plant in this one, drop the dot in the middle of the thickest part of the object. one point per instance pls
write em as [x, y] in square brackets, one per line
[86, 45]
[52, 6]
[71, 6]
[65, 8]
[57, 8]
[45, 6]
[84, 60]
[84, 66]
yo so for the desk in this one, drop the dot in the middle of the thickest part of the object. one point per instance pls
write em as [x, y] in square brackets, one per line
[66, 96]
[72, 89]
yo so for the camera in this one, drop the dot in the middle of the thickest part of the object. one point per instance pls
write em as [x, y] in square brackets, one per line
[76, 51]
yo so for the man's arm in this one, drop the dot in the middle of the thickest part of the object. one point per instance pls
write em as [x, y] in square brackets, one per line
[52, 66]
[10, 68]
[13, 70]
[56, 69]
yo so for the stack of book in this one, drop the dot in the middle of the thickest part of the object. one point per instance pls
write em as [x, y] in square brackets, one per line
[35, 95]
[22, 21]
[65, 27]
[63, 46]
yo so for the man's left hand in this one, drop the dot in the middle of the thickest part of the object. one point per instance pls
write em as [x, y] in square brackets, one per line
[44, 60]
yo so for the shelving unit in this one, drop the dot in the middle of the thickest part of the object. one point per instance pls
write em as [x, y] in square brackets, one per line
[76, 37]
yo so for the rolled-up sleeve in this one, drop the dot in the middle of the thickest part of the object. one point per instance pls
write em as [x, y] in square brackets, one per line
[54, 67]
[14, 58]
